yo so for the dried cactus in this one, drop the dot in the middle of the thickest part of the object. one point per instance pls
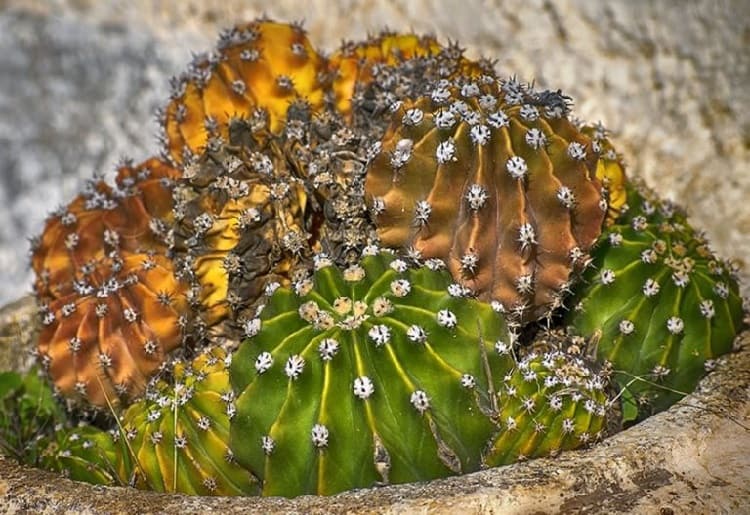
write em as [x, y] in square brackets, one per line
[252, 212]
[86, 453]
[356, 64]
[372, 375]
[258, 69]
[498, 183]
[178, 433]
[657, 304]
[28, 412]
[548, 403]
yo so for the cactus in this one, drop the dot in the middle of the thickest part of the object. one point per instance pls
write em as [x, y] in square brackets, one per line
[369, 375]
[86, 453]
[657, 304]
[258, 69]
[498, 183]
[610, 170]
[355, 65]
[178, 434]
[112, 328]
[548, 403]
[28, 413]
[252, 212]
[133, 216]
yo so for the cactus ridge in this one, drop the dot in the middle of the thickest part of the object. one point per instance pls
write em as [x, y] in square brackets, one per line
[496, 182]
[377, 373]
[86, 453]
[178, 432]
[256, 71]
[657, 302]
[548, 403]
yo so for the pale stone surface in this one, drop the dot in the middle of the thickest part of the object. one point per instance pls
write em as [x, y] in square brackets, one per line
[79, 80]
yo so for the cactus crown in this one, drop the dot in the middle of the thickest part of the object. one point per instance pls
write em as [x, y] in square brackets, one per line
[377, 373]
[497, 182]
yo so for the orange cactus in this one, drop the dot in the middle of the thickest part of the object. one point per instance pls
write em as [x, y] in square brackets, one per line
[262, 64]
[110, 301]
[133, 216]
[610, 169]
[110, 330]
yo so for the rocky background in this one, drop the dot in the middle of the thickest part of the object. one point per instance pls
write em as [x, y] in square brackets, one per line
[80, 79]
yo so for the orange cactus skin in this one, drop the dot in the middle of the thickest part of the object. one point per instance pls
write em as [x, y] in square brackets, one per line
[610, 169]
[103, 339]
[128, 217]
[261, 64]
[110, 302]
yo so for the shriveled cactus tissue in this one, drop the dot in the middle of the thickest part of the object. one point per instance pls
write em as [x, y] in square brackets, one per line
[388, 265]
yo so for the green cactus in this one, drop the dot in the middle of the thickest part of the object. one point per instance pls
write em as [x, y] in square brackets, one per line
[86, 453]
[657, 303]
[28, 412]
[548, 403]
[372, 375]
[178, 433]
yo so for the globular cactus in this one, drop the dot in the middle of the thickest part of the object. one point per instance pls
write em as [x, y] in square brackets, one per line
[112, 327]
[492, 178]
[28, 413]
[86, 453]
[610, 169]
[178, 434]
[657, 304]
[258, 69]
[356, 64]
[374, 374]
[133, 216]
[550, 402]
[252, 212]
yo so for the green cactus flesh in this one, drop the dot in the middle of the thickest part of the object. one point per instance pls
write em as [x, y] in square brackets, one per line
[86, 453]
[371, 375]
[548, 403]
[178, 433]
[657, 303]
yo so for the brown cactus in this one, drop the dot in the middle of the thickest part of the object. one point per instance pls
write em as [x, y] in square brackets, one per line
[108, 331]
[251, 213]
[492, 178]
[260, 67]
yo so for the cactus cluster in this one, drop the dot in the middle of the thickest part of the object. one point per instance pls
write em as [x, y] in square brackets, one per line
[658, 304]
[498, 183]
[336, 274]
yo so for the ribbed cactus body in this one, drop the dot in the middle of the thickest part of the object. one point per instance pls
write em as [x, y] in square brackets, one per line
[657, 303]
[103, 339]
[132, 216]
[498, 183]
[28, 412]
[548, 403]
[86, 453]
[259, 69]
[370, 375]
[179, 432]
[110, 304]
[610, 170]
